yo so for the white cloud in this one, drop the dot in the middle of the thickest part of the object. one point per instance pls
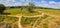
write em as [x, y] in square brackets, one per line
[43, 3]
[1, 1]
[52, 2]
[10, 0]
[6, 1]
[18, 4]
[58, 3]
[24, 0]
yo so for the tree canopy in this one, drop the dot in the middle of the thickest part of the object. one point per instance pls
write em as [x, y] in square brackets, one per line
[2, 8]
[31, 7]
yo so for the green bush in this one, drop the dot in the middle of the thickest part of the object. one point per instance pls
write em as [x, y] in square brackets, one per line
[31, 7]
[8, 25]
[2, 18]
[15, 26]
[2, 8]
[25, 20]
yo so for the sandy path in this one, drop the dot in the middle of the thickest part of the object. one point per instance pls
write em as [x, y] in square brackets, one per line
[19, 20]
[20, 17]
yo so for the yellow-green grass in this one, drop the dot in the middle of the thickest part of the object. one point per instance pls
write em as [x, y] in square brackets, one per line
[26, 12]
[43, 22]
[8, 19]
[4, 20]
[13, 11]
[50, 11]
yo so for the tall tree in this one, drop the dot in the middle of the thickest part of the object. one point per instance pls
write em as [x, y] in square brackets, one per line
[2, 8]
[31, 7]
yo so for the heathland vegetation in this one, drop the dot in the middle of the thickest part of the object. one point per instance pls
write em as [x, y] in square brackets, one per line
[29, 16]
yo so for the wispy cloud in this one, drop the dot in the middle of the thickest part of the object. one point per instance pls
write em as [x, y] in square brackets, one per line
[54, 4]
[43, 3]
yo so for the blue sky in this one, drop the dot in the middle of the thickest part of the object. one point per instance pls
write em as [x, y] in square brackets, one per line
[42, 3]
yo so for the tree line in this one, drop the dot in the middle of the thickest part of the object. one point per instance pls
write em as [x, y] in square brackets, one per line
[30, 7]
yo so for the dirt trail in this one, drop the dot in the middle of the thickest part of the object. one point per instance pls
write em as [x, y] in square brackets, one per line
[35, 15]
[37, 20]
[20, 17]
[19, 20]
[52, 15]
